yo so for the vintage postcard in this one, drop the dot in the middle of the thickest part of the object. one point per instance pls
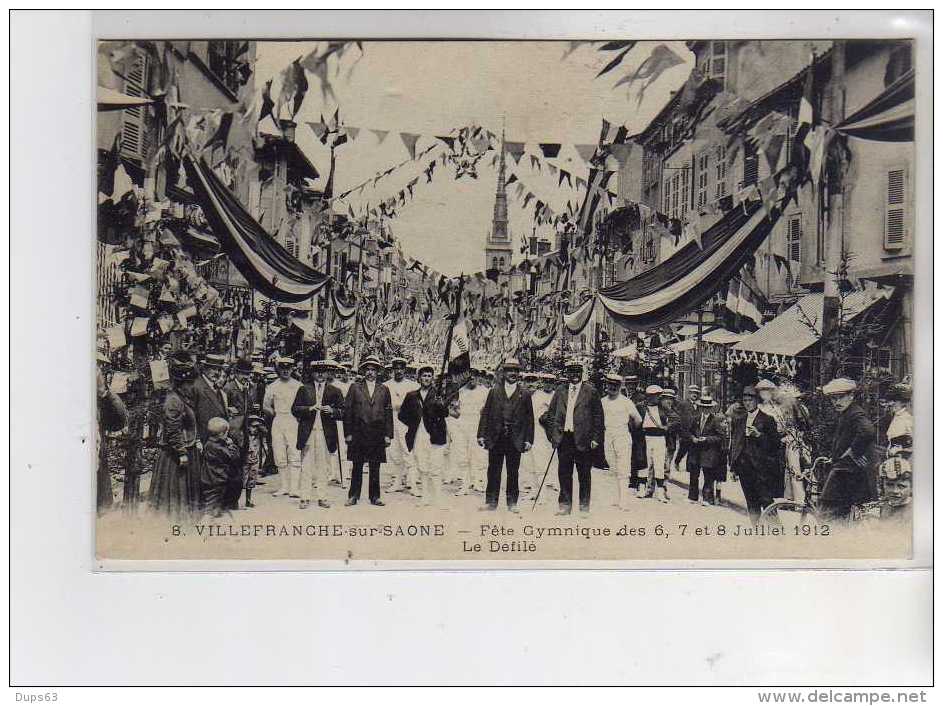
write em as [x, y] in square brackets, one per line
[374, 302]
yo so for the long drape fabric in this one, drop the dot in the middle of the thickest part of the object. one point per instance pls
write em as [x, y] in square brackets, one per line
[693, 274]
[888, 118]
[576, 320]
[265, 264]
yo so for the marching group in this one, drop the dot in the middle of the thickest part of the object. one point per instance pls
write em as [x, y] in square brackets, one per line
[221, 422]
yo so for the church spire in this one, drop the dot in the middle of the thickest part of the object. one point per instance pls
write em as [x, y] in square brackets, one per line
[499, 226]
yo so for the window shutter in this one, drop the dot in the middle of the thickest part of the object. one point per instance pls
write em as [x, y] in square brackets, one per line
[794, 238]
[133, 134]
[751, 164]
[895, 228]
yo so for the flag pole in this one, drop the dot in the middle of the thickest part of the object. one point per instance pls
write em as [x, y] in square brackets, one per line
[448, 341]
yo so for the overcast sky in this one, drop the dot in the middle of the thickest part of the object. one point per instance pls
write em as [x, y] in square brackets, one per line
[430, 88]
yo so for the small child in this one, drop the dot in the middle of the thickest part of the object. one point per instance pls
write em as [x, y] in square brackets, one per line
[461, 447]
[253, 460]
[221, 463]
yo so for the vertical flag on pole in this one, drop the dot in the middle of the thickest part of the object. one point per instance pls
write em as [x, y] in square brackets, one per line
[457, 361]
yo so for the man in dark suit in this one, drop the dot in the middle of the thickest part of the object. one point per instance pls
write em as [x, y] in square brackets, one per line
[209, 396]
[754, 452]
[368, 429]
[705, 451]
[423, 414]
[506, 430]
[317, 407]
[576, 428]
[852, 478]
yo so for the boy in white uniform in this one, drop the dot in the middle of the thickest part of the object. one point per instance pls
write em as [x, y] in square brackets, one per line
[619, 415]
[656, 451]
[539, 455]
[400, 460]
[462, 445]
[473, 397]
[279, 397]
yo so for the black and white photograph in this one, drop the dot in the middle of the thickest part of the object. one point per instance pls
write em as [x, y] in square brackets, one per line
[493, 300]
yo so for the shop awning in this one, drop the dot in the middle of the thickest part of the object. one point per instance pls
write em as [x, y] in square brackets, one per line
[630, 352]
[724, 337]
[265, 264]
[798, 327]
[693, 274]
[888, 118]
[687, 344]
[109, 99]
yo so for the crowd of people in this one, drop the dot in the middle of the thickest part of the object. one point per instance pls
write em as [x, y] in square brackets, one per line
[225, 427]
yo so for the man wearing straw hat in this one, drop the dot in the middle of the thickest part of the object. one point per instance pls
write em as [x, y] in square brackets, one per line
[279, 397]
[317, 406]
[706, 449]
[576, 429]
[620, 416]
[368, 429]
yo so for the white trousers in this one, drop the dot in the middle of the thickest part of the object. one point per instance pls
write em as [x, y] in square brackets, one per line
[430, 463]
[287, 456]
[656, 452]
[400, 461]
[315, 465]
[619, 456]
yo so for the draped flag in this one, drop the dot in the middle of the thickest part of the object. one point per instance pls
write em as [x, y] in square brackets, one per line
[341, 310]
[576, 320]
[265, 264]
[692, 275]
[888, 118]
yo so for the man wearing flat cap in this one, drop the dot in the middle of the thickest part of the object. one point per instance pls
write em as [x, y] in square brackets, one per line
[576, 429]
[754, 452]
[423, 415]
[506, 430]
[279, 397]
[368, 429]
[851, 479]
[317, 407]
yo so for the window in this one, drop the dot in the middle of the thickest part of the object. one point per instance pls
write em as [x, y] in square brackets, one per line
[494, 263]
[718, 62]
[501, 263]
[291, 245]
[133, 126]
[667, 197]
[794, 237]
[703, 162]
[675, 191]
[895, 226]
[720, 173]
[685, 194]
[227, 61]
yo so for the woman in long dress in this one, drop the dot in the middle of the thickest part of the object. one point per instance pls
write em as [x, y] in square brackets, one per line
[177, 471]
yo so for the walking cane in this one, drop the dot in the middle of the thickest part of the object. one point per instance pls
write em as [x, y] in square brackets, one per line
[340, 467]
[542, 480]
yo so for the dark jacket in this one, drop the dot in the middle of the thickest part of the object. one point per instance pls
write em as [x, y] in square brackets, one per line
[854, 439]
[207, 403]
[369, 421]
[588, 423]
[221, 461]
[759, 454]
[708, 453]
[518, 411]
[432, 413]
[238, 397]
[300, 408]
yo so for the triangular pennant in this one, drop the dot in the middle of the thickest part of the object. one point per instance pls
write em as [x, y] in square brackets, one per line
[319, 130]
[353, 132]
[511, 179]
[449, 141]
[550, 149]
[409, 140]
[381, 134]
[585, 152]
[515, 149]
[773, 149]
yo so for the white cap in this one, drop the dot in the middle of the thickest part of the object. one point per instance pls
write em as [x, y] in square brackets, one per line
[840, 386]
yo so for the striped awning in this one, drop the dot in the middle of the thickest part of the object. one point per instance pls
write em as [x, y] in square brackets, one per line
[693, 274]
[888, 118]
[265, 264]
